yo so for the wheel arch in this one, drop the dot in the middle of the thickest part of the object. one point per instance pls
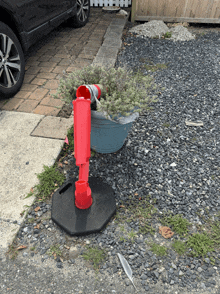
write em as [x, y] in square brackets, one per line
[9, 20]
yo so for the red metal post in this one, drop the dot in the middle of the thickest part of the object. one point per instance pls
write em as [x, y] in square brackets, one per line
[82, 130]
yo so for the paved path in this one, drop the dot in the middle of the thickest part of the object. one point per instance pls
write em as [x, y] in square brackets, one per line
[66, 49]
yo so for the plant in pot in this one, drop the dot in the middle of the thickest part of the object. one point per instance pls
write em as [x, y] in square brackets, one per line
[127, 94]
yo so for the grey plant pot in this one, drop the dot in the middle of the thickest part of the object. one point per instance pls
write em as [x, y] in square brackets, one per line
[109, 136]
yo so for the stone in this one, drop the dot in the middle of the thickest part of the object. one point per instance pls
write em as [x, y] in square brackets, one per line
[73, 252]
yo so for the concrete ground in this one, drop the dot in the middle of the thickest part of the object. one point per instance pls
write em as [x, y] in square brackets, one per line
[32, 132]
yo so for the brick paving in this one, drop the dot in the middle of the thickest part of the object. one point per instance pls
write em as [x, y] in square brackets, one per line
[67, 51]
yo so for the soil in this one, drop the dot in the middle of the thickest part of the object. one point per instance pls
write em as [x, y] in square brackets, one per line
[66, 111]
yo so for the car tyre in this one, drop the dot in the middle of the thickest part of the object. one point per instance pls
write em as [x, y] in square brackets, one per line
[12, 62]
[82, 13]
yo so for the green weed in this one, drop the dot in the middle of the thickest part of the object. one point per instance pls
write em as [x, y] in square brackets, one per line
[179, 225]
[145, 229]
[54, 250]
[158, 249]
[179, 246]
[154, 68]
[166, 125]
[94, 255]
[132, 235]
[167, 35]
[200, 244]
[31, 220]
[122, 228]
[122, 239]
[13, 252]
[49, 179]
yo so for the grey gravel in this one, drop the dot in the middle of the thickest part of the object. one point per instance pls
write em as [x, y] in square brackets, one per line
[178, 165]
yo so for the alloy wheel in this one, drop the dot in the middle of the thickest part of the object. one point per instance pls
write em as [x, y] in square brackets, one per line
[82, 9]
[10, 62]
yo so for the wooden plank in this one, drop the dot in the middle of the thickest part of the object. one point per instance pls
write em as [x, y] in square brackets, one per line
[215, 6]
[133, 11]
[195, 8]
[185, 9]
[209, 9]
[202, 8]
[178, 19]
[179, 9]
[145, 7]
[159, 8]
[217, 12]
[171, 8]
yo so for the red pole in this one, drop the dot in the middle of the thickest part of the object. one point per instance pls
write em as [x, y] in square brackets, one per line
[82, 130]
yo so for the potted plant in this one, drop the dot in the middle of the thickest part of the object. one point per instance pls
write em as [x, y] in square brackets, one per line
[127, 94]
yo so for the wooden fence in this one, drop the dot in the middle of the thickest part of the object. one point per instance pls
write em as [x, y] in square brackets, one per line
[121, 3]
[200, 11]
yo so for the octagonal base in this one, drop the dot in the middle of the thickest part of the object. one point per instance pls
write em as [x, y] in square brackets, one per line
[77, 221]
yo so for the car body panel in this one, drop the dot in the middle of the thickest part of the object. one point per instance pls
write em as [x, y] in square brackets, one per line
[36, 18]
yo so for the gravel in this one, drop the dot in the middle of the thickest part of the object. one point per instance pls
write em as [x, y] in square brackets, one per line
[178, 165]
[180, 162]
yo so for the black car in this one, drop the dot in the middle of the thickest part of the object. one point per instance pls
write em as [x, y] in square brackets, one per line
[22, 23]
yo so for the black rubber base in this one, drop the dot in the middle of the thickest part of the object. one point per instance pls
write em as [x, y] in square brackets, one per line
[77, 221]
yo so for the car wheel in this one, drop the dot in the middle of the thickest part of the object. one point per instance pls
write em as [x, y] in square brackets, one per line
[12, 63]
[82, 13]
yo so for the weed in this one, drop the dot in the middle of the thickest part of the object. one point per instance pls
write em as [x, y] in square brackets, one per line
[54, 250]
[156, 67]
[144, 209]
[158, 249]
[33, 248]
[122, 239]
[49, 179]
[215, 232]
[31, 220]
[179, 246]
[13, 253]
[167, 35]
[166, 125]
[122, 228]
[132, 235]
[145, 229]
[213, 177]
[179, 224]
[212, 260]
[200, 244]
[95, 255]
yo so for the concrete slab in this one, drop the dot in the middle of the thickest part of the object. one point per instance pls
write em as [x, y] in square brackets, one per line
[107, 52]
[112, 43]
[113, 34]
[103, 61]
[119, 21]
[115, 28]
[53, 127]
[22, 157]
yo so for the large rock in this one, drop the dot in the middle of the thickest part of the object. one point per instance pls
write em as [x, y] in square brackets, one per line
[157, 28]
[179, 33]
[151, 29]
